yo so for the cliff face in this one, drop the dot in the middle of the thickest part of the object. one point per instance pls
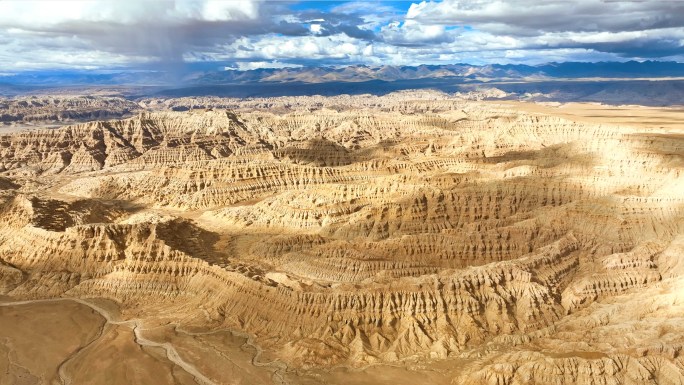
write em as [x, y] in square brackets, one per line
[535, 248]
[32, 109]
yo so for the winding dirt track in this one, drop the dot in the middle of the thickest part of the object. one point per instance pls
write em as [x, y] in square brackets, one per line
[171, 352]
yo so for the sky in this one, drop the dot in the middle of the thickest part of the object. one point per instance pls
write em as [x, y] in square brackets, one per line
[250, 34]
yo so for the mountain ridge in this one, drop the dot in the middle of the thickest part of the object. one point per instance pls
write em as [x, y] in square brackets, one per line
[195, 74]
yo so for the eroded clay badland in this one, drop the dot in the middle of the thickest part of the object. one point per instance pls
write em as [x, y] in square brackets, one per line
[411, 238]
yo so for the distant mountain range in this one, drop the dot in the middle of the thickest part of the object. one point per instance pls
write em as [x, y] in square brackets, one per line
[645, 83]
[460, 73]
[465, 72]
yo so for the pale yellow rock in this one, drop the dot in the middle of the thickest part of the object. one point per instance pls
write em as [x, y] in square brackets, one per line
[510, 244]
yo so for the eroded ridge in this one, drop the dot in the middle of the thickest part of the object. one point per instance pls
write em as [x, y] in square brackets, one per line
[367, 230]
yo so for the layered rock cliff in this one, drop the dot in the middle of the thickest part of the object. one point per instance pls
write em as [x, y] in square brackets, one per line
[533, 248]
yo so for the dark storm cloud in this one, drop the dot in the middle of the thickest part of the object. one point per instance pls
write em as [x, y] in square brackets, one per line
[167, 31]
[351, 31]
[171, 33]
[333, 23]
[633, 29]
[166, 40]
[527, 16]
[641, 48]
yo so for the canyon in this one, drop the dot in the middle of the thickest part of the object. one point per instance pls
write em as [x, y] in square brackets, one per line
[414, 237]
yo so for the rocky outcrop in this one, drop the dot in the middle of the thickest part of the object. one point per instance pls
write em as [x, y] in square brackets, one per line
[35, 109]
[365, 230]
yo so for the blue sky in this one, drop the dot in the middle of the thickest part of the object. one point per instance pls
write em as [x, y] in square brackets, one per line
[101, 34]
